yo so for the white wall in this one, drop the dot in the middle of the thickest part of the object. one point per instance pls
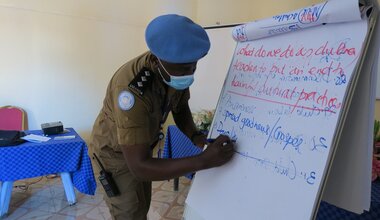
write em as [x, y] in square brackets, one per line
[132, 12]
[182, 7]
[57, 66]
[57, 57]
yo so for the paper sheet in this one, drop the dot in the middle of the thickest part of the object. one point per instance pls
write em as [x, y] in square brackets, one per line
[327, 12]
[35, 138]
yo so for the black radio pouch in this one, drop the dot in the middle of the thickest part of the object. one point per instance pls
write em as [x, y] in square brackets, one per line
[107, 181]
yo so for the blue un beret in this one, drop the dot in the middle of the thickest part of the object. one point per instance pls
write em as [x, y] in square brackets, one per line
[176, 39]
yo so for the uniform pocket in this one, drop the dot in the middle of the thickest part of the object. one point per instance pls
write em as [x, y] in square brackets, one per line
[125, 206]
[113, 162]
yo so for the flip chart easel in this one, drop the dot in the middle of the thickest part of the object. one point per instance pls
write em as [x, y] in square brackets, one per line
[291, 101]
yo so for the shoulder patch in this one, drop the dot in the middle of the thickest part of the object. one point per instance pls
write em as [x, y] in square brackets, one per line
[141, 81]
[126, 100]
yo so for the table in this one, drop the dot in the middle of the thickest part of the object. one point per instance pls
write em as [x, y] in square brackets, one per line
[178, 145]
[68, 157]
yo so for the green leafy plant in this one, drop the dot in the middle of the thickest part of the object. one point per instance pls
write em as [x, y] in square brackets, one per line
[203, 119]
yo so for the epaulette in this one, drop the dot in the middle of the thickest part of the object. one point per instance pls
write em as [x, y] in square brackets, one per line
[141, 81]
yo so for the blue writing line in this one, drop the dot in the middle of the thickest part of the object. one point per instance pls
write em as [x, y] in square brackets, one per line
[321, 144]
[231, 115]
[242, 107]
[289, 171]
[270, 133]
[231, 134]
[287, 138]
[247, 122]
[275, 132]
[287, 17]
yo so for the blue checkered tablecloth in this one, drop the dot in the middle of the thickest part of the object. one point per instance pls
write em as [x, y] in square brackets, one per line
[177, 145]
[54, 156]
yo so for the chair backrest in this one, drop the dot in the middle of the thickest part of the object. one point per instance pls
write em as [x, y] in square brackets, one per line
[12, 118]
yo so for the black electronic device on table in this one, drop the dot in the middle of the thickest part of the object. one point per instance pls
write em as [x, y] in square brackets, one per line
[52, 128]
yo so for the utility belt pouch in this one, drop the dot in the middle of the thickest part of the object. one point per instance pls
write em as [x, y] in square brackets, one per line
[108, 183]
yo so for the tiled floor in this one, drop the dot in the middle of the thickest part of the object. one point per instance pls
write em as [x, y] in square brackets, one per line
[46, 199]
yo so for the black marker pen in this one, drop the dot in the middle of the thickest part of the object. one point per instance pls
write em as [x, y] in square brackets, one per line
[212, 140]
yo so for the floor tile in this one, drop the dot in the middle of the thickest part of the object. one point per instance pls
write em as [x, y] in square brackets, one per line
[18, 197]
[33, 202]
[45, 198]
[159, 208]
[168, 186]
[164, 196]
[61, 217]
[157, 184]
[98, 213]
[35, 214]
[53, 205]
[15, 213]
[176, 212]
[181, 199]
[77, 209]
[92, 200]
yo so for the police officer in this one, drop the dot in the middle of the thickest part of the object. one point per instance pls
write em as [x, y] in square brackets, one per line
[139, 97]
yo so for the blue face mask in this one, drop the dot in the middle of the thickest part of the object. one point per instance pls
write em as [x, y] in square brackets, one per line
[177, 82]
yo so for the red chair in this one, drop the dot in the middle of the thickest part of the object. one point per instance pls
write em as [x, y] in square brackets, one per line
[12, 118]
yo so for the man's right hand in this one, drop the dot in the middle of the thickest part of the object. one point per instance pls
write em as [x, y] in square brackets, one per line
[218, 152]
[146, 168]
